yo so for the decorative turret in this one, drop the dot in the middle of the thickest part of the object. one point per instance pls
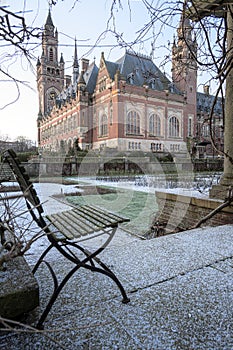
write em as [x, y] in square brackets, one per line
[38, 62]
[81, 87]
[81, 80]
[184, 66]
[62, 59]
[75, 64]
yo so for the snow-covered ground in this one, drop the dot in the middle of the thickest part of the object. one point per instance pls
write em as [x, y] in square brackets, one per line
[180, 288]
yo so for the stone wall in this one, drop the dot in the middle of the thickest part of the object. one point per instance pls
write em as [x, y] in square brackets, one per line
[19, 290]
[178, 212]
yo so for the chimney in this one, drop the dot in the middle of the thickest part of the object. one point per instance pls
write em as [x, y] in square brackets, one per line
[67, 80]
[206, 89]
[85, 64]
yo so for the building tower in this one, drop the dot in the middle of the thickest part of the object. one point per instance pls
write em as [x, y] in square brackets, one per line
[184, 66]
[50, 71]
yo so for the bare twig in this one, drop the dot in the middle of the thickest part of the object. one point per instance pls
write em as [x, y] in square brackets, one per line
[217, 210]
[10, 326]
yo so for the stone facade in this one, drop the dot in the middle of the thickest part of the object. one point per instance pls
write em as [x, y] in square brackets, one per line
[127, 105]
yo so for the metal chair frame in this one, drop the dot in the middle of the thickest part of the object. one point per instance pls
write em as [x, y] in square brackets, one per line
[67, 247]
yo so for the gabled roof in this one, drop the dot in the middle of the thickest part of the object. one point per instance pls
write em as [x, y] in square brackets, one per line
[111, 68]
[90, 77]
[142, 71]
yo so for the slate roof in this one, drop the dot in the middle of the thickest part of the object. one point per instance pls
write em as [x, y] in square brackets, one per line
[205, 101]
[112, 68]
[137, 70]
[49, 21]
[90, 77]
[140, 70]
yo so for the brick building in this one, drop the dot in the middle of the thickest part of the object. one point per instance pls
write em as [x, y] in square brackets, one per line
[127, 105]
[208, 129]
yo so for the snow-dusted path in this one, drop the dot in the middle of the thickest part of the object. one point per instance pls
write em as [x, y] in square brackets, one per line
[181, 290]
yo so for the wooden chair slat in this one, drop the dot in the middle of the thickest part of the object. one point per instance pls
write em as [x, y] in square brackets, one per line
[79, 220]
[65, 230]
[63, 226]
[113, 217]
[97, 216]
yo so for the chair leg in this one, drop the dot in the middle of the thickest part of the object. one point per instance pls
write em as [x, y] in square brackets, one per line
[54, 297]
[57, 291]
[104, 268]
[79, 263]
[39, 261]
[110, 274]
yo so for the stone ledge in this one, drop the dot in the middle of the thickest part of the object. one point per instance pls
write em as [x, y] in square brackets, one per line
[208, 203]
[19, 290]
[182, 212]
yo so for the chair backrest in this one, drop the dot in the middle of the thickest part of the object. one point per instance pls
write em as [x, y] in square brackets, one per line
[23, 180]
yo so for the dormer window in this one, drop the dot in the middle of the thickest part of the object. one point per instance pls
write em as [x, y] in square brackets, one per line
[130, 78]
[171, 87]
[152, 84]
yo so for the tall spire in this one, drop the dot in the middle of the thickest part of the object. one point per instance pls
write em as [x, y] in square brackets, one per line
[49, 21]
[49, 27]
[184, 29]
[75, 64]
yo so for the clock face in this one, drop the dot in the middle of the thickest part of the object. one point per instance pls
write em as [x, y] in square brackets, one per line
[52, 95]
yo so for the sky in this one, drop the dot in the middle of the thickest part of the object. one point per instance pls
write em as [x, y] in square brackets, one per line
[84, 20]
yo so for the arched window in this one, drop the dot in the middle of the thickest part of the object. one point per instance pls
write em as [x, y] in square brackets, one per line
[155, 125]
[133, 123]
[174, 127]
[51, 54]
[103, 125]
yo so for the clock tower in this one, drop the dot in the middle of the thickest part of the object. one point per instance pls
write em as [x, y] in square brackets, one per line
[50, 71]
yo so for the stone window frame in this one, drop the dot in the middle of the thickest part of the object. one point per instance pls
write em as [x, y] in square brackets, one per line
[103, 125]
[133, 123]
[155, 126]
[174, 127]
